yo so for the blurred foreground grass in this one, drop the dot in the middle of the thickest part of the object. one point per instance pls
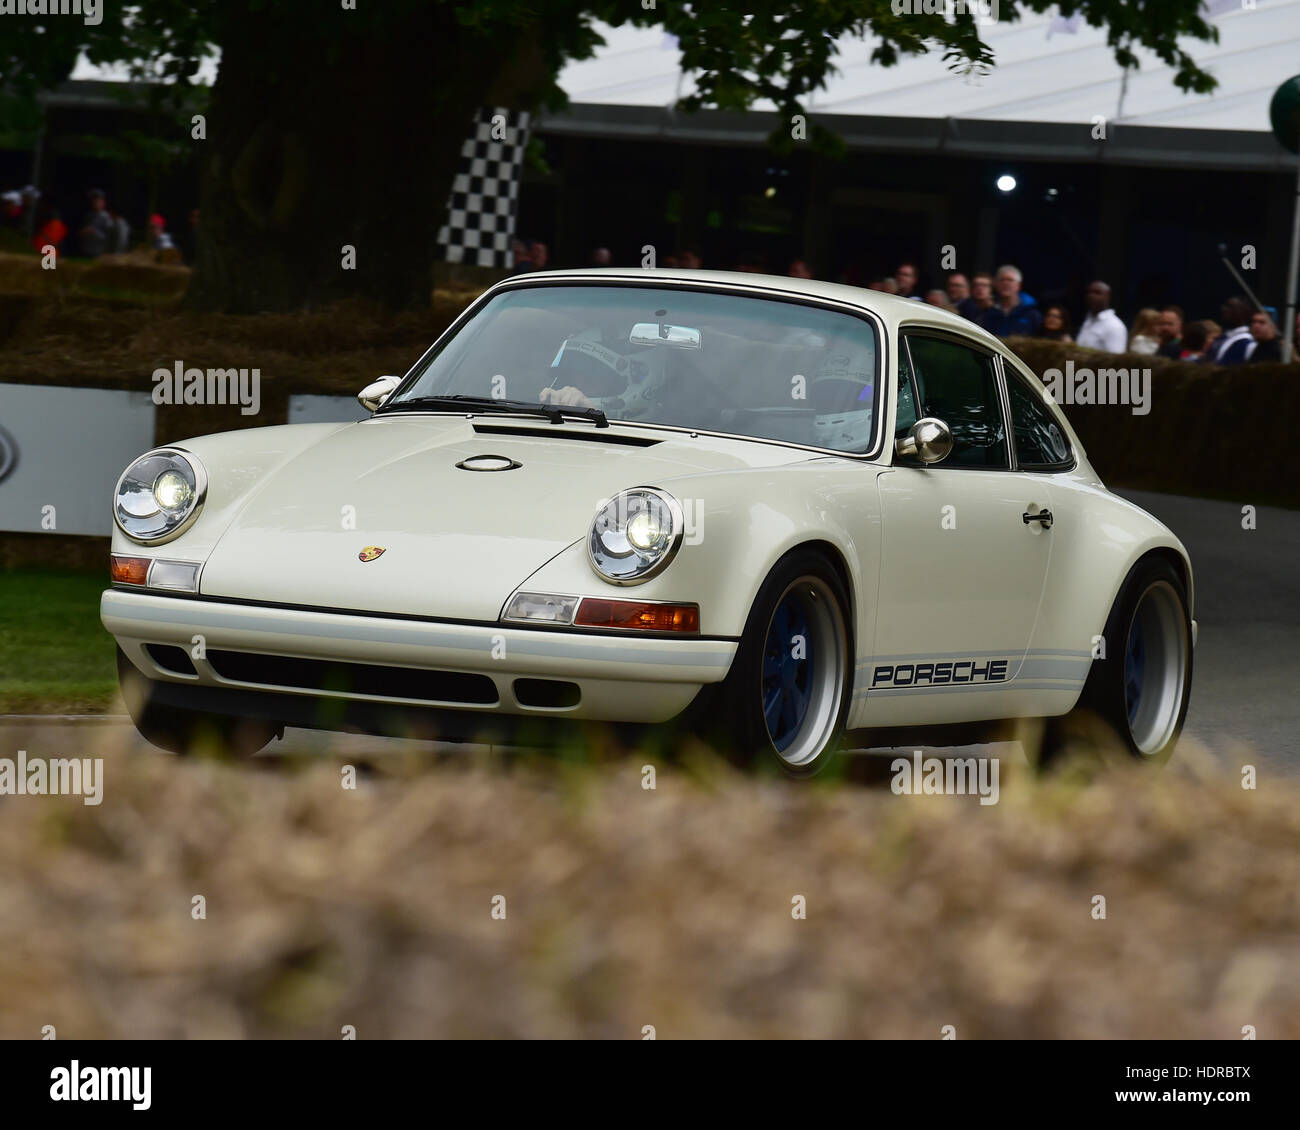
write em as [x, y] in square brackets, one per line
[627, 907]
[55, 657]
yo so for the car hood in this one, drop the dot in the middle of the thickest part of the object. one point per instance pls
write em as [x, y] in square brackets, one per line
[456, 542]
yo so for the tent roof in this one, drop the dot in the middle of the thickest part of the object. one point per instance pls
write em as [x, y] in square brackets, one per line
[1049, 71]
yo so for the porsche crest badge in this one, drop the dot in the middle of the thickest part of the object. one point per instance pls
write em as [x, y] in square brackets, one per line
[371, 552]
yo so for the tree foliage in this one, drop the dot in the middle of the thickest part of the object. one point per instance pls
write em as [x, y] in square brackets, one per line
[763, 50]
[338, 123]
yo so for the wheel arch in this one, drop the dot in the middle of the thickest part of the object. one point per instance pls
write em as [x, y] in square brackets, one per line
[1180, 565]
[717, 712]
[1102, 538]
[835, 556]
[1166, 553]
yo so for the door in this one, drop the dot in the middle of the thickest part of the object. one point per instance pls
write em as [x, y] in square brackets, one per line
[962, 572]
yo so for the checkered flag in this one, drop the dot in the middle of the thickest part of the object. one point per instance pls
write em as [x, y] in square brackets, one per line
[480, 225]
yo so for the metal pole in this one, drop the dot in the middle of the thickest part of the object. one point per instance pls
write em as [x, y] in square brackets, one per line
[1223, 258]
[1293, 269]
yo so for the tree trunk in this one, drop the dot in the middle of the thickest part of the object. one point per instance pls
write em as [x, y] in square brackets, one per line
[334, 129]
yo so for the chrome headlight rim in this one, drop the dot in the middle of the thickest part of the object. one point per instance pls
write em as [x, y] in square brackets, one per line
[665, 558]
[200, 494]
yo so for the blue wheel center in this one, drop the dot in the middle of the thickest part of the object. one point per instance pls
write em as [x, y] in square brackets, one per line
[1135, 661]
[787, 672]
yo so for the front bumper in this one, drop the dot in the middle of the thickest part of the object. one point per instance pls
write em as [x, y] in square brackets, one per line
[620, 678]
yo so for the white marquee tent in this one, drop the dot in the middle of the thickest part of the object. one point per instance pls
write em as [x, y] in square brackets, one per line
[1049, 69]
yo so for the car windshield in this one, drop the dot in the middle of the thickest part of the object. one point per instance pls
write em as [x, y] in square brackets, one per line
[693, 359]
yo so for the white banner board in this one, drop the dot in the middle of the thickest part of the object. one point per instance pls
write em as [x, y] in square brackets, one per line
[311, 409]
[61, 452]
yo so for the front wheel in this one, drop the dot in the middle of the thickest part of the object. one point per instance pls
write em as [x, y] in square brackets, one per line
[786, 698]
[1139, 691]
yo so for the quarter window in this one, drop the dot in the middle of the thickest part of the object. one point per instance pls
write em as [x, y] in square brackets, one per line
[1040, 442]
[959, 386]
[905, 416]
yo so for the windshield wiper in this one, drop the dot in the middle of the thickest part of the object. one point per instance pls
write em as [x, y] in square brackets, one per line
[553, 412]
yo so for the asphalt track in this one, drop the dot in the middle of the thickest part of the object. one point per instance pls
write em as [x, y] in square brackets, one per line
[1246, 687]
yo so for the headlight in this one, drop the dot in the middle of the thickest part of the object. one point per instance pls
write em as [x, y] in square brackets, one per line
[159, 495]
[634, 535]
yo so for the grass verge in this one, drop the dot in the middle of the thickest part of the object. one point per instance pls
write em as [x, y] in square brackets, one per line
[55, 657]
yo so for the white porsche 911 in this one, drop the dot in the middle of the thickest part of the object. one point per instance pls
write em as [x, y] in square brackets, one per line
[777, 511]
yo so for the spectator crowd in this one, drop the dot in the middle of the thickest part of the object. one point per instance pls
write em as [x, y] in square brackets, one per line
[996, 301]
[101, 228]
[999, 304]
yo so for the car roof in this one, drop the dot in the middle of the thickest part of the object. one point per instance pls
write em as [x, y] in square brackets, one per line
[892, 310]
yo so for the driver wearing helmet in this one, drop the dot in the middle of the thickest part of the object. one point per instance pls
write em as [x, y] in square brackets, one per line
[631, 386]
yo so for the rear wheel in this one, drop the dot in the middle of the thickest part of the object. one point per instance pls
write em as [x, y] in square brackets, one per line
[178, 730]
[1140, 689]
[786, 698]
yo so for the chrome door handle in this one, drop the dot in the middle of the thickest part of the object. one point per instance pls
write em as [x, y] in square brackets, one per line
[1043, 516]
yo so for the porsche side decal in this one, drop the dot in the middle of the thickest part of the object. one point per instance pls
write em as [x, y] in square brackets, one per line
[939, 673]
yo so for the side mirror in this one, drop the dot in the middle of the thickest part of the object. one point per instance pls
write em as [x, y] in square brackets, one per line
[928, 440]
[375, 393]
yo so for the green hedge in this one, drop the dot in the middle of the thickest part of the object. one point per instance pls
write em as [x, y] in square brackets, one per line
[1212, 431]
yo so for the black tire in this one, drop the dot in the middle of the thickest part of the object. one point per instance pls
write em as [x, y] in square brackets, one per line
[1153, 603]
[811, 718]
[181, 731]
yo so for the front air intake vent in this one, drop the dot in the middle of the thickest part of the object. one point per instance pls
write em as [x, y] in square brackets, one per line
[555, 431]
[170, 658]
[551, 694]
[346, 679]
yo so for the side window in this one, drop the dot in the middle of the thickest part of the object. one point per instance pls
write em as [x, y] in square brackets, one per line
[959, 386]
[906, 414]
[1040, 443]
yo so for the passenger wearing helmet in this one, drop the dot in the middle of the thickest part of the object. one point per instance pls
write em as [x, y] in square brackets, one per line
[843, 397]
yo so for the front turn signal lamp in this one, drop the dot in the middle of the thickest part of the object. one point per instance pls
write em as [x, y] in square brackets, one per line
[154, 573]
[129, 570]
[541, 608]
[639, 615]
